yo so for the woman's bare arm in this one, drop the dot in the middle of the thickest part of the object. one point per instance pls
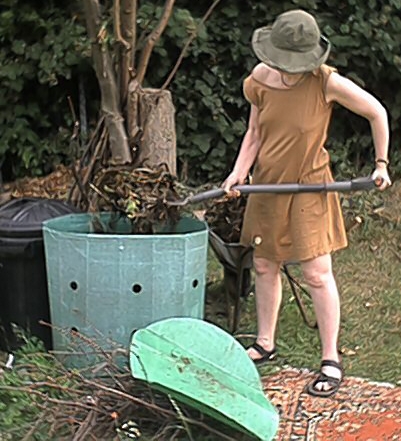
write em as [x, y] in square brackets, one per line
[345, 92]
[248, 152]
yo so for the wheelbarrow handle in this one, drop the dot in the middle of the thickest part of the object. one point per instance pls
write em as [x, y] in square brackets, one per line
[364, 183]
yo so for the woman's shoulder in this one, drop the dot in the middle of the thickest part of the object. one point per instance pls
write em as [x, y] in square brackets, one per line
[325, 70]
[253, 83]
[262, 73]
[260, 69]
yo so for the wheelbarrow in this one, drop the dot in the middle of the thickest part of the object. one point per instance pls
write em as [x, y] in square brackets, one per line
[237, 259]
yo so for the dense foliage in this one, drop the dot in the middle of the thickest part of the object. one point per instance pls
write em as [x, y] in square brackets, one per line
[42, 51]
[44, 66]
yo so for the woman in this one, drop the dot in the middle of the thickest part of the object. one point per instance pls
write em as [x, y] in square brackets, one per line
[291, 93]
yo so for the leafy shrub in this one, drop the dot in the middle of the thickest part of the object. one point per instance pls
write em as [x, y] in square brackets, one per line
[39, 72]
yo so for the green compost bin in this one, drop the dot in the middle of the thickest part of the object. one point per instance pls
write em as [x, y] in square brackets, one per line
[105, 286]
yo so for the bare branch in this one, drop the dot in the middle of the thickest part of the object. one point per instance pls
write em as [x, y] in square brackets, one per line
[110, 97]
[133, 17]
[117, 25]
[187, 44]
[117, 393]
[152, 39]
[127, 19]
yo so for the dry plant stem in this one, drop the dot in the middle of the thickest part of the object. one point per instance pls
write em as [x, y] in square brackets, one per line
[117, 393]
[85, 427]
[101, 194]
[97, 135]
[114, 392]
[152, 39]
[92, 141]
[47, 399]
[52, 384]
[78, 187]
[98, 152]
[75, 131]
[187, 44]
[182, 418]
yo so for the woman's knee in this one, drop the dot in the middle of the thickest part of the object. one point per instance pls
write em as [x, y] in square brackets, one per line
[265, 267]
[318, 276]
[318, 272]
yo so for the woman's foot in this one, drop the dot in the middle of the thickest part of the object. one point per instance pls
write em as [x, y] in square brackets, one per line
[259, 353]
[328, 380]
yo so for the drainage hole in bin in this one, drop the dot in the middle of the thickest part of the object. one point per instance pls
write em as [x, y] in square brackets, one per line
[136, 288]
[74, 286]
[73, 329]
[195, 283]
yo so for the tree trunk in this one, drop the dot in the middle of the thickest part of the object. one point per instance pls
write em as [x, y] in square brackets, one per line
[110, 94]
[151, 127]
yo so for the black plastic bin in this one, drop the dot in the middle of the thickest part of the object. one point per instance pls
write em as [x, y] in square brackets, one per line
[23, 283]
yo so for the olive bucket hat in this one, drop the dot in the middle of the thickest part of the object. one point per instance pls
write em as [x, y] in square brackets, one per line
[292, 44]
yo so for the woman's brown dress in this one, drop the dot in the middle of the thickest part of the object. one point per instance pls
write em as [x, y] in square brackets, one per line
[293, 126]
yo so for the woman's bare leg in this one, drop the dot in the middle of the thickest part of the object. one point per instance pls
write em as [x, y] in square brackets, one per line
[268, 300]
[323, 289]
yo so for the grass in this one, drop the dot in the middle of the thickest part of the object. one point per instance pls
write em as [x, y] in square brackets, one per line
[368, 275]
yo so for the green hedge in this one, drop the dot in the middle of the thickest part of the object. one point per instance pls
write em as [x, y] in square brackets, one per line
[41, 53]
[41, 68]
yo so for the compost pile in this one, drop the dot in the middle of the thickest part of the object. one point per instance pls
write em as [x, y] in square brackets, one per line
[139, 194]
[224, 216]
[142, 195]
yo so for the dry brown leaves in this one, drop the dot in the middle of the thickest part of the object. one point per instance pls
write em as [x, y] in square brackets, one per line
[224, 216]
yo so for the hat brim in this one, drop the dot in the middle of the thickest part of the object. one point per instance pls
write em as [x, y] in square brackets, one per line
[285, 60]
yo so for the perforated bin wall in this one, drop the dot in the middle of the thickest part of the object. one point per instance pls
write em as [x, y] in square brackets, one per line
[106, 285]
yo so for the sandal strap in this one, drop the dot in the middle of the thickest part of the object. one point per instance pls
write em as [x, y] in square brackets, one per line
[323, 378]
[331, 363]
[262, 351]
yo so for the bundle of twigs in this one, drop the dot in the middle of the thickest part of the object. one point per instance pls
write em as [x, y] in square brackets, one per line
[103, 402]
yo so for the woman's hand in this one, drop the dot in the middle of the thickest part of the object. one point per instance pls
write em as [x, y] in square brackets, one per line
[234, 178]
[381, 174]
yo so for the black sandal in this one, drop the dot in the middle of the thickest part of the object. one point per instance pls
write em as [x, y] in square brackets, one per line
[333, 382]
[265, 355]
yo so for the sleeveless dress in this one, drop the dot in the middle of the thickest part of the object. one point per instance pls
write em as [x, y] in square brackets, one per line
[293, 126]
